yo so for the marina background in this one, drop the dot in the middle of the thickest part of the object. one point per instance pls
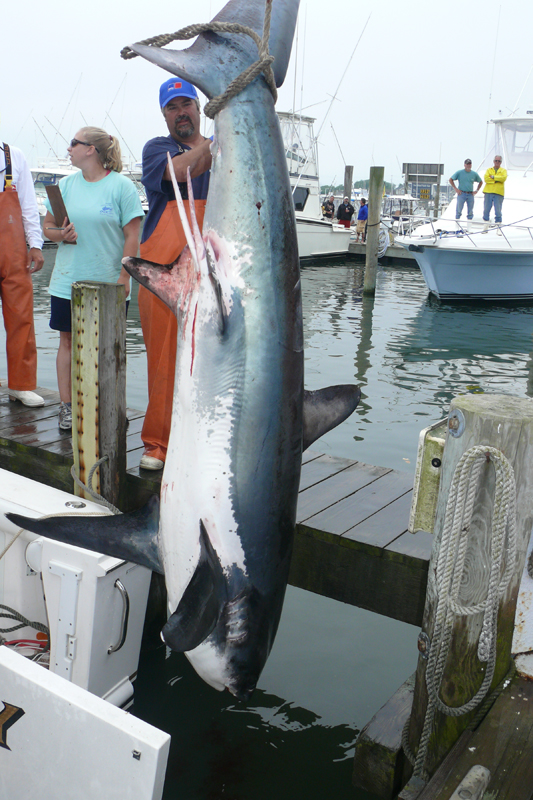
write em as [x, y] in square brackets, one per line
[332, 665]
[422, 81]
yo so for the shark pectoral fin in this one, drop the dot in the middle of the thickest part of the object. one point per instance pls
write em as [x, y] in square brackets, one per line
[132, 536]
[164, 280]
[200, 607]
[327, 408]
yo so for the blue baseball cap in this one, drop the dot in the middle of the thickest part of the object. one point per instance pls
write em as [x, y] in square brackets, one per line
[176, 87]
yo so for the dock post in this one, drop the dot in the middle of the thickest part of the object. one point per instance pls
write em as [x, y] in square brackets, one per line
[464, 649]
[437, 195]
[99, 387]
[375, 198]
[348, 181]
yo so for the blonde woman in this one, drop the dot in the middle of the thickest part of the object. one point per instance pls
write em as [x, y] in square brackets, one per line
[105, 215]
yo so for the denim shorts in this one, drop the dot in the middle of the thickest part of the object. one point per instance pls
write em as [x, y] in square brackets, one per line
[60, 316]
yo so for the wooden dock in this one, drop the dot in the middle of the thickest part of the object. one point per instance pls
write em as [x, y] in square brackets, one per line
[351, 542]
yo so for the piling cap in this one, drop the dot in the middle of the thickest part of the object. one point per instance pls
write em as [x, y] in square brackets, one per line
[176, 87]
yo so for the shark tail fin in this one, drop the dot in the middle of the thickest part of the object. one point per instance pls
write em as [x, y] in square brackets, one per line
[327, 408]
[200, 63]
[132, 536]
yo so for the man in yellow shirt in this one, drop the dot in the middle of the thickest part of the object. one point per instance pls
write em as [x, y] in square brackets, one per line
[493, 190]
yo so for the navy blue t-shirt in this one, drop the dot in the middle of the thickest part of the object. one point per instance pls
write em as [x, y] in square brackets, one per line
[158, 191]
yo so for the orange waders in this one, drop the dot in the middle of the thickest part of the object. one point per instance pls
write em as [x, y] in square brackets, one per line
[160, 330]
[16, 291]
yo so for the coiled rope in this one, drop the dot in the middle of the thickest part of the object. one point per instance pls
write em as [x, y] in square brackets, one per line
[449, 574]
[263, 64]
[12, 614]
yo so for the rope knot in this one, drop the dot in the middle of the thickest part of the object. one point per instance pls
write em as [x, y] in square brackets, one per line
[262, 65]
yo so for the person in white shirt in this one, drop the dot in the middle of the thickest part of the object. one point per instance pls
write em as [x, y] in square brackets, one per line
[19, 223]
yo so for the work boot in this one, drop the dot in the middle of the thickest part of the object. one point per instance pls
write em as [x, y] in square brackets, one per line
[31, 399]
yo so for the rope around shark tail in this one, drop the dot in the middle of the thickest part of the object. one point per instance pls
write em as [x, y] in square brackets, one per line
[89, 487]
[263, 64]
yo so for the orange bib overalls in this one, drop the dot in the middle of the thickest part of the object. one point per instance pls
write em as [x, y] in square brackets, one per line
[160, 330]
[16, 291]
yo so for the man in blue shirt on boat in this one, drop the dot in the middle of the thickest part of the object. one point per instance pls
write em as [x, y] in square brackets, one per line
[465, 190]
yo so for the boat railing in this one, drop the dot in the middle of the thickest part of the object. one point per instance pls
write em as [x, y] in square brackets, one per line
[404, 224]
[461, 230]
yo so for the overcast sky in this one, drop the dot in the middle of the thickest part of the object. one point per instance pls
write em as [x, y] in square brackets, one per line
[422, 83]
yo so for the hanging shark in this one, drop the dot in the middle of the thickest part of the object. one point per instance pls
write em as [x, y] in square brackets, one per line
[222, 530]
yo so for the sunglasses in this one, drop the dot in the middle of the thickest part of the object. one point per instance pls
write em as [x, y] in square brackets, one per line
[74, 142]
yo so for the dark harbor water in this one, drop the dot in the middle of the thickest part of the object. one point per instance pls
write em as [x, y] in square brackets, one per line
[332, 665]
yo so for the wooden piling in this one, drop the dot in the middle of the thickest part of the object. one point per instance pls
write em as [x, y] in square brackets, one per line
[99, 386]
[348, 182]
[506, 424]
[437, 195]
[375, 197]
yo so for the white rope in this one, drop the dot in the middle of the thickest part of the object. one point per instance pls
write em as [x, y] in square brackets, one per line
[449, 574]
[89, 487]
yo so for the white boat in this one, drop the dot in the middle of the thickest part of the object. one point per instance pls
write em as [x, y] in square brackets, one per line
[465, 260]
[399, 212]
[63, 728]
[317, 236]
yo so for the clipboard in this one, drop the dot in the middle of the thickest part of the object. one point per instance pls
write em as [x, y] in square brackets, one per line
[58, 206]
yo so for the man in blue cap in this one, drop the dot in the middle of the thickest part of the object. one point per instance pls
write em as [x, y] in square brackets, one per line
[162, 241]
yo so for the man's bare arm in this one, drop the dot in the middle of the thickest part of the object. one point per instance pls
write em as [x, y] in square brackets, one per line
[198, 159]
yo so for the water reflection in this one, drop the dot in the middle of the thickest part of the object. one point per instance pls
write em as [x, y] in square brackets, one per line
[221, 748]
[412, 355]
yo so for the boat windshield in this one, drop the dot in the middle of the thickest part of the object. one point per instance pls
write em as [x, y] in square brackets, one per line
[300, 144]
[514, 141]
[518, 139]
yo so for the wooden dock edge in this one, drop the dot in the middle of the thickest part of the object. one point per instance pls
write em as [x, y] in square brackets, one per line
[386, 581]
[379, 759]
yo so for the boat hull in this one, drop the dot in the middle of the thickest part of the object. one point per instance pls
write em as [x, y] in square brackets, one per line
[320, 239]
[456, 274]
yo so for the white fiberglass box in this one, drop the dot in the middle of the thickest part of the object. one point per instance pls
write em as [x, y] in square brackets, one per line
[94, 605]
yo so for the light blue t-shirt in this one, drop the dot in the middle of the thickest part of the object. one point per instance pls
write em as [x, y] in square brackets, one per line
[466, 179]
[99, 211]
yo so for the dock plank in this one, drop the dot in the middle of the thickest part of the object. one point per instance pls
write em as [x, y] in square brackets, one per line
[337, 486]
[347, 513]
[502, 743]
[385, 525]
[320, 468]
